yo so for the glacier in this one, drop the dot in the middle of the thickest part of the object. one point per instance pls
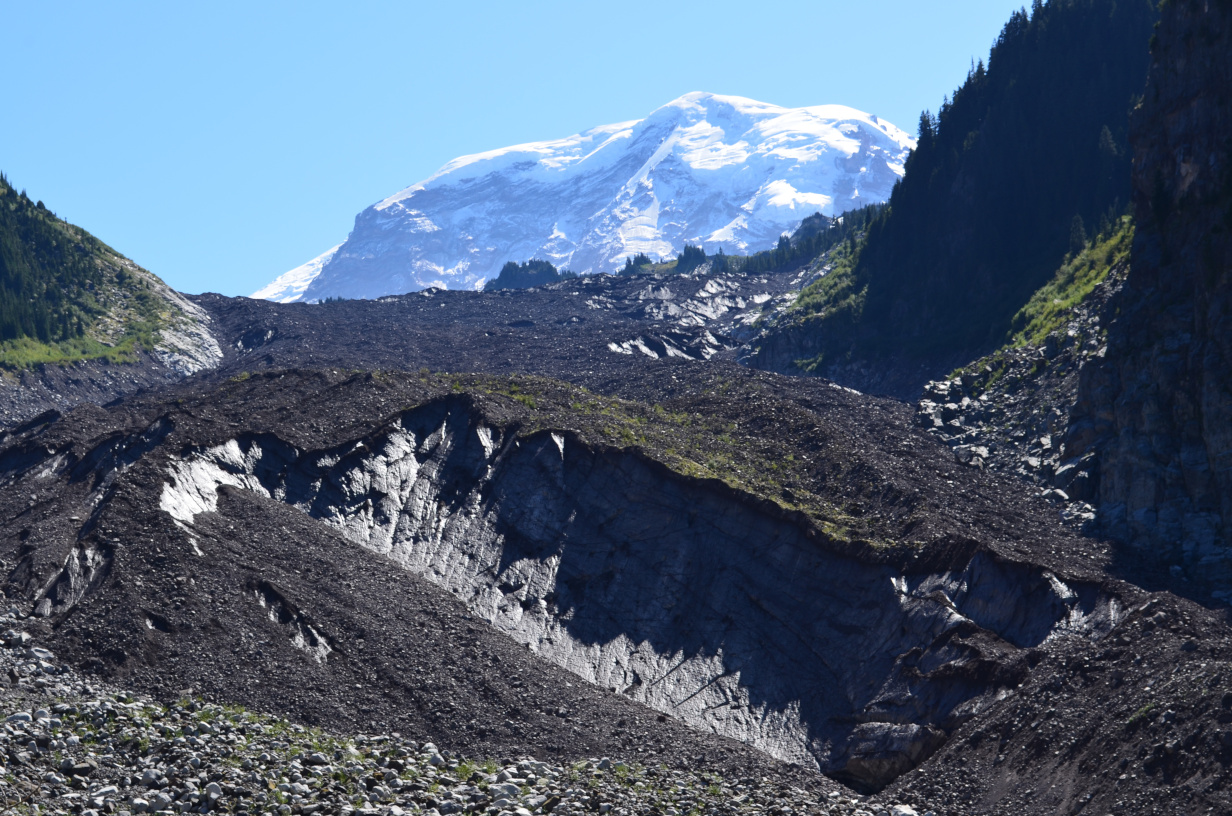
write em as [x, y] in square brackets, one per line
[723, 172]
[289, 286]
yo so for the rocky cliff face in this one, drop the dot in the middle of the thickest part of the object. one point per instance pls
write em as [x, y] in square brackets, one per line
[1160, 407]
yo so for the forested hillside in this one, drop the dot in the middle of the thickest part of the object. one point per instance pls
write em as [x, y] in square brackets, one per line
[65, 295]
[815, 236]
[1013, 173]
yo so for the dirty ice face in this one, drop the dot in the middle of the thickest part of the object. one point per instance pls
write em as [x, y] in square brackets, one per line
[706, 602]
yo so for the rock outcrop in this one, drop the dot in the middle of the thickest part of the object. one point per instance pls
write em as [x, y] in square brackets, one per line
[1159, 408]
[448, 556]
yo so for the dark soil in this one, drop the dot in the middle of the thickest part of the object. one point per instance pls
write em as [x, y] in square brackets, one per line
[25, 394]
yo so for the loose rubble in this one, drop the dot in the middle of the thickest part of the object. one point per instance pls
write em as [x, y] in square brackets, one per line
[1010, 412]
[73, 745]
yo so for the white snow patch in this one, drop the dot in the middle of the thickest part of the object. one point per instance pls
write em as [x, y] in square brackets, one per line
[289, 286]
[484, 435]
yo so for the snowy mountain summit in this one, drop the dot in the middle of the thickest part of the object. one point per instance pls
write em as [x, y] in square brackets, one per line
[719, 171]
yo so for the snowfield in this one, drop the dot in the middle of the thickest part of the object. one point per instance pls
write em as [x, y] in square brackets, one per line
[721, 171]
[289, 286]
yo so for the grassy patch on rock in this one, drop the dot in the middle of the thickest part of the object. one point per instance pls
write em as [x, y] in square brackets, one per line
[1051, 307]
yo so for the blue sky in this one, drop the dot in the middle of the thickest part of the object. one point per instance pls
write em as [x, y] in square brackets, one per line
[221, 144]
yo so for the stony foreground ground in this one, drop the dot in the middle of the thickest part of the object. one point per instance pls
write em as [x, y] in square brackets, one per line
[73, 745]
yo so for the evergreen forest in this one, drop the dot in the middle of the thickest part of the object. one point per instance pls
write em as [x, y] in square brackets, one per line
[534, 272]
[65, 295]
[1008, 178]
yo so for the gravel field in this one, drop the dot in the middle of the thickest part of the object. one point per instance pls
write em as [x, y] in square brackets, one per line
[74, 745]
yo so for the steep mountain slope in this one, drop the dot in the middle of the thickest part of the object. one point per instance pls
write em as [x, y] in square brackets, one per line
[1011, 409]
[1014, 172]
[304, 527]
[65, 296]
[719, 171]
[1157, 411]
[307, 623]
[516, 500]
[79, 321]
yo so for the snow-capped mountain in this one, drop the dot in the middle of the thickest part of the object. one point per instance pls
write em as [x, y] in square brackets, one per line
[289, 286]
[720, 171]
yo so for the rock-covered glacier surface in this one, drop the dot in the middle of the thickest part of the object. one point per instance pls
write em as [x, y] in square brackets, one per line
[720, 171]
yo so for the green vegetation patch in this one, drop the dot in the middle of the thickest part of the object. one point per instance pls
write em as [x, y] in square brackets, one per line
[1140, 715]
[534, 272]
[1054, 310]
[835, 300]
[836, 291]
[1050, 308]
[692, 441]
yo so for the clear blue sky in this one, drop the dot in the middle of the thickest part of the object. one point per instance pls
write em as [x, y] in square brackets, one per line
[220, 144]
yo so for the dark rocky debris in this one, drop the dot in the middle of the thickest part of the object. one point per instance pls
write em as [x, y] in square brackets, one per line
[261, 603]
